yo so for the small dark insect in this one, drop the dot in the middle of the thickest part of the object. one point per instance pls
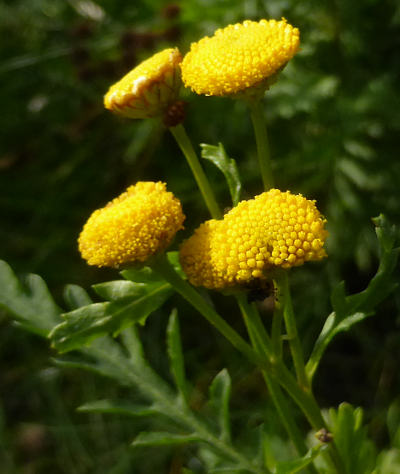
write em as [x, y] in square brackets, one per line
[259, 290]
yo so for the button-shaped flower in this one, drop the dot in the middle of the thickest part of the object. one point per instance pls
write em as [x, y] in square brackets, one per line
[149, 89]
[275, 229]
[239, 56]
[131, 228]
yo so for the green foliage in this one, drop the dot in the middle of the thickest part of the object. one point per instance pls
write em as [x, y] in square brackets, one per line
[357, 451]
[128, 303]
[30, 303]
[290, 467]
[228, 166]
[174, 346]
[220, 392]
[352, 309]
[333, 125]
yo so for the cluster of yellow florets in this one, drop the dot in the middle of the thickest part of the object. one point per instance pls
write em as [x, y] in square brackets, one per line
[133, 227]
[239, 56]
[149, 89]
[275, 229]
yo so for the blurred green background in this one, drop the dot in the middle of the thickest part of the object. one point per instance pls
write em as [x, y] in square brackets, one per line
[334, 126]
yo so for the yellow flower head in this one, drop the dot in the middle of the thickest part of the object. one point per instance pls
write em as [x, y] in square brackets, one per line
[239, 56]
[149, 89]
[132, 227]
[275, 229]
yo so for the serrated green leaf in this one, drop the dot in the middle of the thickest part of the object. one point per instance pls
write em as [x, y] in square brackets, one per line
[290, 467]
[218, 156]
[163, 439]
[75, 297]
[117, 407]
[89, 322]
[220, 392]
[104, 357]
[108, 358]
[29, 303]
[174, 348]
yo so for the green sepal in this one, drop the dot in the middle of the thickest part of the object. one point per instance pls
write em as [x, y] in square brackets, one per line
[29, 301]
[132, 304]
[228, 166]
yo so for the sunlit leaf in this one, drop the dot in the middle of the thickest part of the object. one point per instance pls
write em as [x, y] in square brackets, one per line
[81, 326]
[218, 156]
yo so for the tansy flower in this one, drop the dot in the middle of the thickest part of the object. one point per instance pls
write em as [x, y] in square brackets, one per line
[149, 89]
[136, 225]
[239, 56]
[275, 229]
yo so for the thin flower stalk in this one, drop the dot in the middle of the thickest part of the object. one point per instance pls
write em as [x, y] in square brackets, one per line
[186, 146]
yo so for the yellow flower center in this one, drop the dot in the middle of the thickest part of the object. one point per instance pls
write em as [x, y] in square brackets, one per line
[239, 56]
[275, 229]
[139, 223]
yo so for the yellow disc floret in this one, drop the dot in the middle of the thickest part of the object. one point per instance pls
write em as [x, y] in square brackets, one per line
[132, 227]
[239, 56]
[149, 89]
[275, 229]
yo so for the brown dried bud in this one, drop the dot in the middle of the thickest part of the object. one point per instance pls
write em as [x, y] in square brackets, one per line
[175, 114]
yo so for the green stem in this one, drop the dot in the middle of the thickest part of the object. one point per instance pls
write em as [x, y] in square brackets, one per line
[278, 373]
[263, 150]
[186, 146]
[253, 323]
[276, 368]
[282, 283]
[166, 270]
